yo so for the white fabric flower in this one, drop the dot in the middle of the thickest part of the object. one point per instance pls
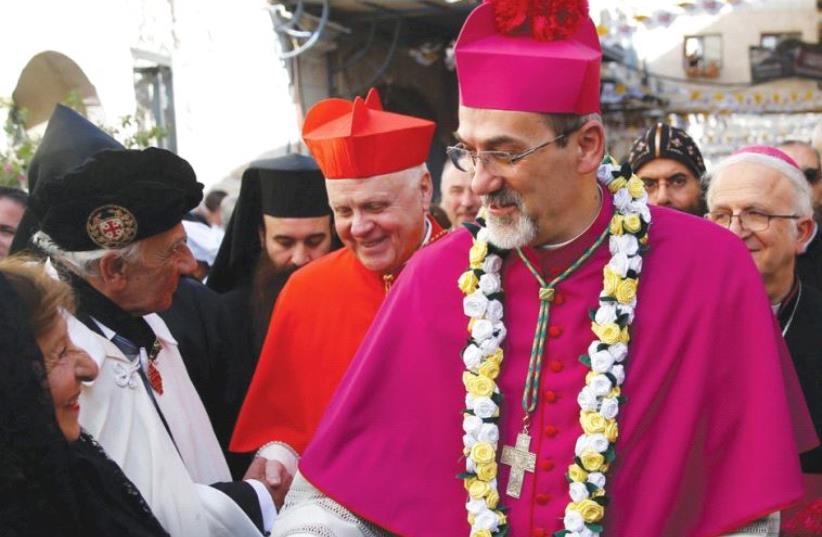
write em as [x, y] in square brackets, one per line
[474, 305]
[578, 491]
[619, 264]
[601, 361]
[593, 347]
[475, 506]
[597, 479]
[587, 399]
[635, 263]
[573, 520]
[489, 346]
[618, 371]
[482, 235]
[609, 408]
[468, 441]
[619, 351]
[471, 424]
[469, 400]
[600, 385]
[626, 244]
[486, 520]
[598, 442]
[494, 311]
[627, 309]
[606, 313]
[471, 357]
[488, 433]
[484, 407]
[501, 331]
[604, 174]
[581, 444]
[622, 200]
[489, 283]
[470, 465]
[483, 329]
[492, 264]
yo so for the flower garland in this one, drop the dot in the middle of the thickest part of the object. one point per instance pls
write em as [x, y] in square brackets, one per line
[599, 399]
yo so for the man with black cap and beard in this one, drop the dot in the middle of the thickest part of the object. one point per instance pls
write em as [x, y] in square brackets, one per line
[281, 222]
[109, 220]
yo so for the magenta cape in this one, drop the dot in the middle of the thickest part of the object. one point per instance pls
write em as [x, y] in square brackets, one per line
[708, 438]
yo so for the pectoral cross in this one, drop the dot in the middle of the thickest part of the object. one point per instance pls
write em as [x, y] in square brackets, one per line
[520, 460]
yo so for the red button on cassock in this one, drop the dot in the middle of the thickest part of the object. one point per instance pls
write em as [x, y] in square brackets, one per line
[546, 465]
[550, 396]
[551, 431]
[555, 331]
[542, 499]
[559, 299]
[555, 365]
[539, 532]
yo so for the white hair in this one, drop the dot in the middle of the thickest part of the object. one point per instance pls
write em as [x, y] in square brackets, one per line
[802, 191]
[85, 264]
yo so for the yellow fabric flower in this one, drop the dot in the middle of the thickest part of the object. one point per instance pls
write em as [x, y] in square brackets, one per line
[612, 431]
[611, 281]
[591, 511]
[487, 472]
[493, 499]
[615, 227]
[481, 533]
[480, 386]
[577, 474]
[616, 391]
[502, 519]
[478, 489]
[636, 188]
[616, 184]
[495, 358]
[609, 333]
[632, 223]
[591, 460]
[477, 254]
[469, 480]
[592, 422]
[489, 369]
[482, 453]
[468, 282]
[626, 290]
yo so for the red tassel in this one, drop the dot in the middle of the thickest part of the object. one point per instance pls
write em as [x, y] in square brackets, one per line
[509, 14]
[550, 19]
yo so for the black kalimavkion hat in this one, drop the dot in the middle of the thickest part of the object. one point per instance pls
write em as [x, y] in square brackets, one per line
[116, 198]
[665, 141]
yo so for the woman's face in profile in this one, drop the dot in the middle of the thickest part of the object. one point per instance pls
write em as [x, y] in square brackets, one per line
[67, 366]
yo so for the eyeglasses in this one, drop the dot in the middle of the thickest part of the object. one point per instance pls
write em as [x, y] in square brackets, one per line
[811, 174]
[750, 220]
[495, 162]
[675, 182]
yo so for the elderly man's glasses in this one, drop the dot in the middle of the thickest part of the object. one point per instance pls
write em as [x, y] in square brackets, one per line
[750, 220]
[494, 162]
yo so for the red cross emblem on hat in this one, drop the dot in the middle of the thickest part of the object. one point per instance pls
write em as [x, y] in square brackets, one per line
[111, 226]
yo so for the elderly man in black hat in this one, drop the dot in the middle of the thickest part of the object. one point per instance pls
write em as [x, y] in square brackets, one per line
[110, 223]
[281, 221]
[670, 164]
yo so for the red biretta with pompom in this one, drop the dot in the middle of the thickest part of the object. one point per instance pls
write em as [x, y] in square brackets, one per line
[354, 140]
[531, 56]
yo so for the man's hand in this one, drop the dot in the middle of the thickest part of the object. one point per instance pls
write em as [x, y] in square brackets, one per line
[273, 475]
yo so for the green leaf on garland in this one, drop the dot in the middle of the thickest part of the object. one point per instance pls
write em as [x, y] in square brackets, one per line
[610, 454]
[496, 398]
[466, 475]
[622, 399]
[591, 487]
[611, 377]
[592, 314]
[596, 528]
[602, 500]
[561, 533]
[585, 360]
[503, 531]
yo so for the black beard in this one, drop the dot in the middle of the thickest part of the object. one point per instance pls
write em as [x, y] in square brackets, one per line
[266, 285]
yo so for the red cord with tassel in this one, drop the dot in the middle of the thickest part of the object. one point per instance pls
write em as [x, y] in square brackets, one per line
[550, 20]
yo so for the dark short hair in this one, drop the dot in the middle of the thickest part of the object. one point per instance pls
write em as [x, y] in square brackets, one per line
[213, 199]
[565, 124]
[15, 194]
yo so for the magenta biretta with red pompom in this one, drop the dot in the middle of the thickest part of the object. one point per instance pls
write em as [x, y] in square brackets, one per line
[530, 56]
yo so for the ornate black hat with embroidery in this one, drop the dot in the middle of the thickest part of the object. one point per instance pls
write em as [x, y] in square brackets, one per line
[116, 198]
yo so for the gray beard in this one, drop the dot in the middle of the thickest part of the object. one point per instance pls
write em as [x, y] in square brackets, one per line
[509, 233]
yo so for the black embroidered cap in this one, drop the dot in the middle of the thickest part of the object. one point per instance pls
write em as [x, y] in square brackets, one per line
[665, 141]
[116, 198]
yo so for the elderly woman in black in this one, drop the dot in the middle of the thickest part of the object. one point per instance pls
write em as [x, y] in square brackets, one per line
[54, 479]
